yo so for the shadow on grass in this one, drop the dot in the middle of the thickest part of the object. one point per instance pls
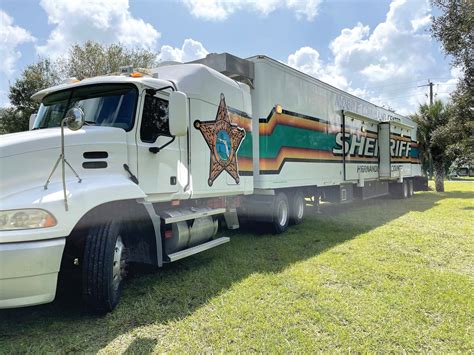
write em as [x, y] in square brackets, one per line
[178, 289]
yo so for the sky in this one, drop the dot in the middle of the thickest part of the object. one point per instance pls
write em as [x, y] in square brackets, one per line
[379, 50]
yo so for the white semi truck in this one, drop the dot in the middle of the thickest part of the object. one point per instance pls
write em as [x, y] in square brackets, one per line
[139, 167]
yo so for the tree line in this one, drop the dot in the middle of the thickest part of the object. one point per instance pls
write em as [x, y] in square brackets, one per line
[446, 130]
[81, 61]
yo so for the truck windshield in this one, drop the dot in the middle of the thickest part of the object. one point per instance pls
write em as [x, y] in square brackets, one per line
[110, 105]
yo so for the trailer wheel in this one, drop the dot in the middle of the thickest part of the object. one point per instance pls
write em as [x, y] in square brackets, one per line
[281, 213]
[410, 188]
[104, 266]
[405, 193]
[399, 190]
[297, 208]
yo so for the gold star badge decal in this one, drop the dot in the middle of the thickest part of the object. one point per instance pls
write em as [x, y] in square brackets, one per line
[223, 139]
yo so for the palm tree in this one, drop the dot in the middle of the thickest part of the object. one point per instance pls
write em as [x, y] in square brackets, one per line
[433, 137]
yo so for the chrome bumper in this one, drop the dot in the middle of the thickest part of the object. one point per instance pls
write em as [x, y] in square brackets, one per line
[29, 272]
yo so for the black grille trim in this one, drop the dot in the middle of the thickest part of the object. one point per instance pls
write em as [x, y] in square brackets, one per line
[94, 165]
[95, 155]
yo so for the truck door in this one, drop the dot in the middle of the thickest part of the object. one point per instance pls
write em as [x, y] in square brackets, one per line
[384, 149]
[158, 152]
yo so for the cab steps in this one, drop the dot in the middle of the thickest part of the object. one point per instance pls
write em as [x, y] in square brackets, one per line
[197, 249]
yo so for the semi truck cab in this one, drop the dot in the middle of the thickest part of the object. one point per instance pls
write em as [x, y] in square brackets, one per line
[131, 154]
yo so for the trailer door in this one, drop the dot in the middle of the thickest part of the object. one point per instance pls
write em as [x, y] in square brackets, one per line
[384, 149]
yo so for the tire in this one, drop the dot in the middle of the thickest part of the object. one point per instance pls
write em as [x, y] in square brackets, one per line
[399, 190]
[405, 192]
[297, 208]
[410, 188]
[103, 266]
[280, 213]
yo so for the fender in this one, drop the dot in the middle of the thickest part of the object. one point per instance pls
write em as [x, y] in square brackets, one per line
[82, 197]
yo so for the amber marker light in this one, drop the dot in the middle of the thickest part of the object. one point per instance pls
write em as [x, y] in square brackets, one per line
[278, 109]
[136, 75]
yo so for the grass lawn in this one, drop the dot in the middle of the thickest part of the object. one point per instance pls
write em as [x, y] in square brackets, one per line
[384, 275]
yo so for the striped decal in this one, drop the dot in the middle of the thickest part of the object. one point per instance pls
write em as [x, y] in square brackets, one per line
[245, 153]
[293, 137]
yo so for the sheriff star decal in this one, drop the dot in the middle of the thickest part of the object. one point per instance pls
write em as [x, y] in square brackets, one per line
[223, 139]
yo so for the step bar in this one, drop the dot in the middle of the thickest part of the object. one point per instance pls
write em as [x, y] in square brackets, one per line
[197, 249]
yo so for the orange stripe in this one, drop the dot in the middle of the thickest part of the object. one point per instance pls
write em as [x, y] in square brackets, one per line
[241, 121]
[398, 138]
[245, 164]
[287, 120]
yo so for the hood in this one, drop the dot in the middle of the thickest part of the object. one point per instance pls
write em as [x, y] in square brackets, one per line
[50, 138]
[27, 158]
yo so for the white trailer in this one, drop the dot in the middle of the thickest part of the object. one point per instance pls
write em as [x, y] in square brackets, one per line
[139, 167]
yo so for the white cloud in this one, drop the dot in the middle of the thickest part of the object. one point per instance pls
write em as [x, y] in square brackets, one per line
[104, 21]
[11, 37]
[307, 60]
[190, 50]
[385, 65]
[219, 10]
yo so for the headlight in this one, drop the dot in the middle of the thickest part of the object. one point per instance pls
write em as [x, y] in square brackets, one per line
[26, 219]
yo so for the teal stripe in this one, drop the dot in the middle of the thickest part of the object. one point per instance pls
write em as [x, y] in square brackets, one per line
[294, 137]
[245, 150]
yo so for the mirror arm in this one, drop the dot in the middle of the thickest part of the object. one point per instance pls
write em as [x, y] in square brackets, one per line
[155, 150]
[153, 92]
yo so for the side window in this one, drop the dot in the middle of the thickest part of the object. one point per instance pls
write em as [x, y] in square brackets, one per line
[155, 120]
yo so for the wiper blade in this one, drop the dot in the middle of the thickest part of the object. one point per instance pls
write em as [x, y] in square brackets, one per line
[90, 123]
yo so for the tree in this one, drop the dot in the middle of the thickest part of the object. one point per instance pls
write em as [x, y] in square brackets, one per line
[454, 28]
[88, 60]
[92, 59]
[34, 78]
[435, 138]
[11, 121]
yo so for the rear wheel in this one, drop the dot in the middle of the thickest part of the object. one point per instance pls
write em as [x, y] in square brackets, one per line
[405, 189]
[104, 266]
[281, 213]
[410, 188]
[399, 190]
[297, 208]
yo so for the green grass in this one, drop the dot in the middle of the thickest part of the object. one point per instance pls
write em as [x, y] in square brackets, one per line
[384, 275]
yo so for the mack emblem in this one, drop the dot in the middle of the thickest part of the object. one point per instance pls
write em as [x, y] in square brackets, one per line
[223, 139]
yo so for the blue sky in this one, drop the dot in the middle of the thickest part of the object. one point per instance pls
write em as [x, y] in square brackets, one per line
[377, 49]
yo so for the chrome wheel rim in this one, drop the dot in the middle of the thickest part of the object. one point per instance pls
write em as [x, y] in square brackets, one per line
[282, 213]
[299, 208]
[117, 270]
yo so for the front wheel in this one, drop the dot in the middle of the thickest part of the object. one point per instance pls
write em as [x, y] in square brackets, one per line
[281, 213]
[103, 266]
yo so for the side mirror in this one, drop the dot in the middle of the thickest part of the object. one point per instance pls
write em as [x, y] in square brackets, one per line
[32, 121]
[178, 113]
[74, 119]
